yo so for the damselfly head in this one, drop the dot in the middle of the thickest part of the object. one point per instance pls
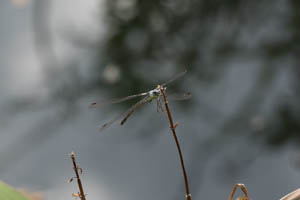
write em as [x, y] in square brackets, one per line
[155, 92]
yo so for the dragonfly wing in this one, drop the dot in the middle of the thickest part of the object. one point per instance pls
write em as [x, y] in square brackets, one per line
[128, 113]
[179, 97]
[177, 76]
[107, 124]
[117, 100]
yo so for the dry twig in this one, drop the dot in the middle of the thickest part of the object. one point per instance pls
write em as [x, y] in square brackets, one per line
[295, 195]
[243, 188]
[76, 168]
[173, 127]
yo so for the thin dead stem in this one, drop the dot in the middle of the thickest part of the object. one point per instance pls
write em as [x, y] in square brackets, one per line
[295, 195]
[81, 194]
[244, 190]
[172, 127]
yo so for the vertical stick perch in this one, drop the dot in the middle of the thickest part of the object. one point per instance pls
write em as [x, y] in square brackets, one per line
[172, 127]
[75, 167]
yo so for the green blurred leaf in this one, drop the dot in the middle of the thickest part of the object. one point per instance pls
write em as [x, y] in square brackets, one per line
[8, 193]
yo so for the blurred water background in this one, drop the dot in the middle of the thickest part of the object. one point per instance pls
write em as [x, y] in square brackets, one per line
[241, 125]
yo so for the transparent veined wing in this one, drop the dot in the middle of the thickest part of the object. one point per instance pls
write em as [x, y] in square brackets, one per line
[134, 108]
[119, 100]
[116, 100]
[127, 114]
[172, 97]
[177, 76]
[179, 96]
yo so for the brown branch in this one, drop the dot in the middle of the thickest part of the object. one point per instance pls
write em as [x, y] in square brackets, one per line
[76, 168]
[172, 127]
[243, 188]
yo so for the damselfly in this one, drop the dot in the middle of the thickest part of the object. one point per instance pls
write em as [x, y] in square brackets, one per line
[149, 96]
